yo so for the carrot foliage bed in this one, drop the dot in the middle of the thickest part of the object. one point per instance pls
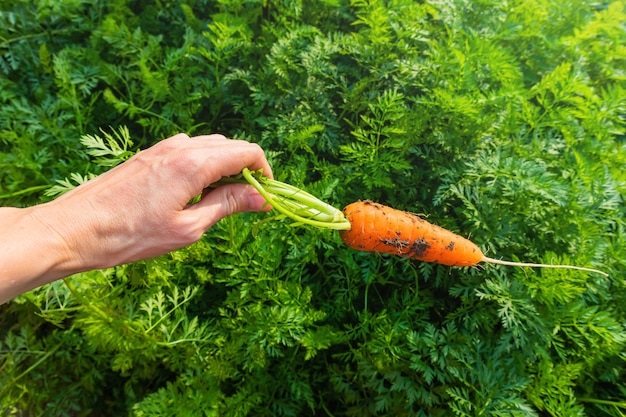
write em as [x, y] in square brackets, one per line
[503, 121]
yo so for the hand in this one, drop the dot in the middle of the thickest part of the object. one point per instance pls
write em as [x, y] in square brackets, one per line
[140, 209]
[137, 210]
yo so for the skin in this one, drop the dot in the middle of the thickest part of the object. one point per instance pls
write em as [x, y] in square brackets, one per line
[135, 211]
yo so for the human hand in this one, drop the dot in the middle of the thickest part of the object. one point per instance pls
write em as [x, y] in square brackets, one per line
[140, 208]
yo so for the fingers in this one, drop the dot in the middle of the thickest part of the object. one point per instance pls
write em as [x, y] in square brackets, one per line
[215, 156]
[225, 201]
[239, 154]
[179, 168]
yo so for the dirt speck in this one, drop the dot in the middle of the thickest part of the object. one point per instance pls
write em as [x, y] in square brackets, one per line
[419, 247]
[396, 242]
[450, 246]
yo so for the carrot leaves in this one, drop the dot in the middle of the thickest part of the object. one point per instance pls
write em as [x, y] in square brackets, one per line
[501, 121]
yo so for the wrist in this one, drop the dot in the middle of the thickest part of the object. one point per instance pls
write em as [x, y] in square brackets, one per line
[31, 253]
[57, 230]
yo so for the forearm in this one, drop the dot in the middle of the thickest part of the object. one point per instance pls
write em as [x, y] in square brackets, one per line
[30, 254]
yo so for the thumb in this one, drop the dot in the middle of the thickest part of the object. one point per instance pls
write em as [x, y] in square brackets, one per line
[227, 200]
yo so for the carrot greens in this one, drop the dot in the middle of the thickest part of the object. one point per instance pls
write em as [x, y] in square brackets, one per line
[503, 121]
[295, 203]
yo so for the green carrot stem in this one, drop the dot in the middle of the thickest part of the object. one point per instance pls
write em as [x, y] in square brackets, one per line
[292, 202]
[297, 204]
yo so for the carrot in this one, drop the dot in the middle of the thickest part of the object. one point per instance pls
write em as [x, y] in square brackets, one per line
[382, 229]
[372, 227]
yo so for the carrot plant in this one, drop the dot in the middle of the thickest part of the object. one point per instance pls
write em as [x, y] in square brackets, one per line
[502, 121]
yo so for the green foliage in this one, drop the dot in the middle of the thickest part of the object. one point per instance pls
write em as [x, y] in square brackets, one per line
[106, 152]
[504, 121]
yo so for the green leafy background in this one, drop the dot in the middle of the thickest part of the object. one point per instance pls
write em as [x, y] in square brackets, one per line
[501, 120]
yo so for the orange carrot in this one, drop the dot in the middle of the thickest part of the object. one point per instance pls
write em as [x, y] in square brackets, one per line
[378, 228]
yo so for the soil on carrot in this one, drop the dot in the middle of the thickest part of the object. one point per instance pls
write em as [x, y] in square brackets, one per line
[419, 247]
[397, 243]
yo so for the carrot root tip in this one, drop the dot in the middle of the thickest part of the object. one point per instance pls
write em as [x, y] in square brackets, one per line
[533, 265]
